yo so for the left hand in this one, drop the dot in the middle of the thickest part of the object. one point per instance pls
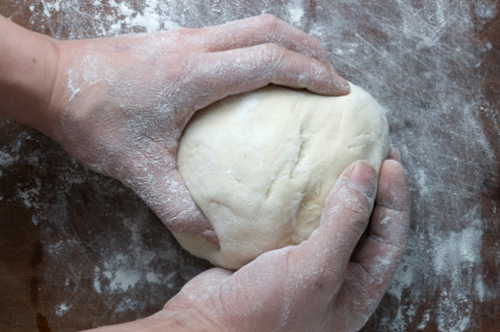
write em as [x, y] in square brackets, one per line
[122, 103]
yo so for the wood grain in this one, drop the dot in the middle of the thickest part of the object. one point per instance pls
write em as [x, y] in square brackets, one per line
[67, 235]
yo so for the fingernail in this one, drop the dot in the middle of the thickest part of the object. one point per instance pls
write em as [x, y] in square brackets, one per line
[363, 178]
[210, 236]
[343, 85]
[344, 82]
[395, 155]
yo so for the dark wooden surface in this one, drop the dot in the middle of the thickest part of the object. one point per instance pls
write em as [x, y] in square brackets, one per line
[79, 250]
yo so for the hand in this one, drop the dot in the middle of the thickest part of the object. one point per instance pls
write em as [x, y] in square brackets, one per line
[331, 282]
[122, 103]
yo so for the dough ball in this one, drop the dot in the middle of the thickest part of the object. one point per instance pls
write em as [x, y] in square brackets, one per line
[261, 164]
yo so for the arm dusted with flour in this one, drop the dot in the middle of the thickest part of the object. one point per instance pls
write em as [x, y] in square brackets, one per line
[119, 105]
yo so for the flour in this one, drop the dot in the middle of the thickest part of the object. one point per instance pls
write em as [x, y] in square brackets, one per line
[296, 12]
[123, 273]
[62, 309]
[6, 159]
[416, 58]
[458, 248]
[28, 197]
[122, 279]
[153, 278]
[455, 257]
[97, 281]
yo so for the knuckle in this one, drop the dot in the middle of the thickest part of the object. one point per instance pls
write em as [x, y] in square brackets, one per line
[356, 200]
[272, 48]
[359, 206]
[271, 24]
[317, 71]
[316, 43]
[316, 46]
[358, 225]
[271, 54]
[365, 205]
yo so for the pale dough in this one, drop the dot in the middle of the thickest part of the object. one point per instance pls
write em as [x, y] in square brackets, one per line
[260, 165]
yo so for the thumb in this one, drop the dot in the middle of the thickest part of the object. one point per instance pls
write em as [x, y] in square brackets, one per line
[349, 205]
[180, 213]
[159, 184]
[199, 289]
[345, 217]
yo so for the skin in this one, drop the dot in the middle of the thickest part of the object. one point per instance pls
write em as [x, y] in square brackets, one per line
[323, 284]
[119, 105]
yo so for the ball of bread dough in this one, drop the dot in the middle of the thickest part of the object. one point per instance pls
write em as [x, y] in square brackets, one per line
[261, 164]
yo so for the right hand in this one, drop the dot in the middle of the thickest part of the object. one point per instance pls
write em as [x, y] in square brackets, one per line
[331, 282]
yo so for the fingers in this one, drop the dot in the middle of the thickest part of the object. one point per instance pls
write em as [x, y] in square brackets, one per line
[345, 216]
[264, 29]
[220, 74]
[374, 265]
[271, 63]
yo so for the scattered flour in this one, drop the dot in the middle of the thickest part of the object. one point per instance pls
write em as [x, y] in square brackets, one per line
[122, 279]
[153, 277]
[97, 282]
[432, 108]
[296, 12]
[62, 309]
[6, 160]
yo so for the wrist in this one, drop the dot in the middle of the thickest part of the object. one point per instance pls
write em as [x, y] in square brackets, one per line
[28, 69]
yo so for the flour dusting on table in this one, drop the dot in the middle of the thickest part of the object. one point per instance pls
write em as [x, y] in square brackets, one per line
[415, 58]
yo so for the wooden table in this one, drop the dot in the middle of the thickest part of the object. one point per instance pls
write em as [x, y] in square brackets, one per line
[79, 250]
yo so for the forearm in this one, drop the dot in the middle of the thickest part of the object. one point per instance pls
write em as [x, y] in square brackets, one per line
[27, 72]
[164, 320]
